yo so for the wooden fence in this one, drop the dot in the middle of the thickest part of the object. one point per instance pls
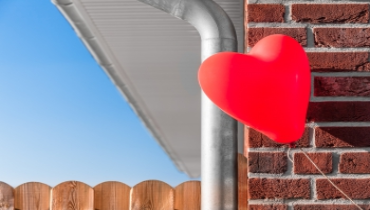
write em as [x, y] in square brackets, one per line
[147, 195]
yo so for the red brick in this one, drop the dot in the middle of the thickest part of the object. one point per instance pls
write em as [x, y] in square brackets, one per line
[330, 137]
[338, 61]
[329, 207]
[338, 112]
[267, 162]
[303, 166]
[268, 207]
[254, 139]
[342, 37]
[355, 163]
[279, 188]
[265, 13]
[354, 188]
[256, 34]
[331, 13]
[342, 86]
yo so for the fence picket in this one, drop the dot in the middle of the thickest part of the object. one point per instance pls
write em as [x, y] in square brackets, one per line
[72, 195]
[152, 195]
[6, 197]
[148, 195]
[187, 196]
[112, 196]
[242, 182]
[32, 196]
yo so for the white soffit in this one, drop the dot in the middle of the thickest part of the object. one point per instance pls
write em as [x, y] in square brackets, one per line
[153, 59]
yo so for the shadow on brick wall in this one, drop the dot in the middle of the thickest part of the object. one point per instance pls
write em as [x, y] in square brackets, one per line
[342, 137]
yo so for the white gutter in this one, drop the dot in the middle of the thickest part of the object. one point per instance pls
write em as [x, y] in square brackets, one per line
[71, 11]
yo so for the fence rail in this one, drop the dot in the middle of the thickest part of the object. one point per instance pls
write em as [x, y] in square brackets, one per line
[147, 195]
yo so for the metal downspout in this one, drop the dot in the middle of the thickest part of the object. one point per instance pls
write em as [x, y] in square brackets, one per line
[219, 131]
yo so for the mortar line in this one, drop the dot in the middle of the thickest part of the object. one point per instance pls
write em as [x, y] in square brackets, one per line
[307, 202]
[313, 137]
[337, 124]
[313, 188]
[309, 176]
[290, 164]
[287, 16]
[312, 95]
[341, 74]
[289, 206]
[309, 2]
[339, 50]
[332, 50]
[294, 24]
[336, 161]
[339, 99]
[313, 149]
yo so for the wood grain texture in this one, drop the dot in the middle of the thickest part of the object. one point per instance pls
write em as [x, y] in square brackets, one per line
[72, 195]
[6, 197]
[112, 196]
[32, 196]
[242, 182]
[187, 196]
[152, 195]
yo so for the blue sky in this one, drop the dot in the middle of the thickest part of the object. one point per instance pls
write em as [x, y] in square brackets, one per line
[61, 118]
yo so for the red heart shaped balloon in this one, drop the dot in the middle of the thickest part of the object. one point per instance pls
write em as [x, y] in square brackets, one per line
[267, 89]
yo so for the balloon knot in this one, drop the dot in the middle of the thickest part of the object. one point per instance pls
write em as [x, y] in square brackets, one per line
[292, 145]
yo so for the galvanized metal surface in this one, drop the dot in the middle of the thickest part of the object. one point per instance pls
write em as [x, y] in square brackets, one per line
[153, 60]
[219, 158]
[219, 155]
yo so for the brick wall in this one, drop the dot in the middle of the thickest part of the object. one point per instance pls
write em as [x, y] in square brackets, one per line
[336, 37]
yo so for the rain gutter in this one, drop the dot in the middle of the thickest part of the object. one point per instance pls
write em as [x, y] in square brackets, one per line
[71, 10]
[219, 131]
